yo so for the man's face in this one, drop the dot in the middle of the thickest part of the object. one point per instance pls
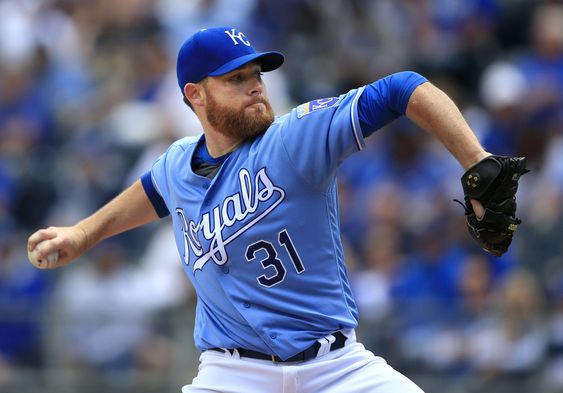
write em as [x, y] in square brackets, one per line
[236, 103]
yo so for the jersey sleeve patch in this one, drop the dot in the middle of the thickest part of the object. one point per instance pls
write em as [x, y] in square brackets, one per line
[316, 105]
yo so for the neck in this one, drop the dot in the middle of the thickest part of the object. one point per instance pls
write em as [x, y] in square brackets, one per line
[217, 143]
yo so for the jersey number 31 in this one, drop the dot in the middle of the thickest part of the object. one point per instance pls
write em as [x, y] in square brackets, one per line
[271, 260]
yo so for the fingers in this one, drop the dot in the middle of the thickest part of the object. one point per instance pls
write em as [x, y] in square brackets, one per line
[477, 208]
[47, 247]
[56, 246]
[43, 246]
[39, 236]
[40, 263]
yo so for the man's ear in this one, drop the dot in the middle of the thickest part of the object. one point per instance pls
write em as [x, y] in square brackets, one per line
[194, 93]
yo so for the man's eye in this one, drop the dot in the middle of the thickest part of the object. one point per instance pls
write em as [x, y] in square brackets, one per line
[236, 78]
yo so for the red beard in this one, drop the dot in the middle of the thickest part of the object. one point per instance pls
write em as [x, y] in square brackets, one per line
[235, 123]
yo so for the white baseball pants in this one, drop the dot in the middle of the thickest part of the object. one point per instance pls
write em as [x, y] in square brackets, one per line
[351, 369]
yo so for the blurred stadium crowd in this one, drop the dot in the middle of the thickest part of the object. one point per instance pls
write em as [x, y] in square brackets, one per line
[88, 99]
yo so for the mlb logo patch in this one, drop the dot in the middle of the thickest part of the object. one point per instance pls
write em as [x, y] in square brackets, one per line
[315, 105]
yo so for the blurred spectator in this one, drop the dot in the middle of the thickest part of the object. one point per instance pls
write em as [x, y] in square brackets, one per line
[542, 65]
[372, 282]
[553, 375]
[24, 295]
[503, 88]
[107, 311]
[513, 342]
[183, 18]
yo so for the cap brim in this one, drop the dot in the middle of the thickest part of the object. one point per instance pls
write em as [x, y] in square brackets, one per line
[269, 61]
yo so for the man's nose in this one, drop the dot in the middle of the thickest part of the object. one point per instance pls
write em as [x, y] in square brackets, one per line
[255, 87]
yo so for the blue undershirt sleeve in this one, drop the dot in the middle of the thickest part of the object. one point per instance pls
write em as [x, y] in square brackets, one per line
[386, 99]
[154, 196]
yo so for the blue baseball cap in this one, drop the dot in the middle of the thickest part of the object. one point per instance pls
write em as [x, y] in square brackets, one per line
[217, 51]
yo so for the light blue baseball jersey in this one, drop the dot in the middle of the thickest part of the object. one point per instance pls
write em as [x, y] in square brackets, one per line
[261, 241]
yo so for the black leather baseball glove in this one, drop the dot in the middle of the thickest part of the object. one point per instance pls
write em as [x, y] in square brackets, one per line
[493, 182]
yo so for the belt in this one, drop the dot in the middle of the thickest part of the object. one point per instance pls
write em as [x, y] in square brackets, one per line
[307, 354]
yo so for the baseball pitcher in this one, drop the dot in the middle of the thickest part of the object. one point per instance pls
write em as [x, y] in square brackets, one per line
[253, 202]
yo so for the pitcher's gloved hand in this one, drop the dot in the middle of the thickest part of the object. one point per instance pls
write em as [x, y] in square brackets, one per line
[493, 182]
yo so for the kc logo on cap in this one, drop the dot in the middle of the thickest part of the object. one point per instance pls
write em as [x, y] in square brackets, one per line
[217, 51]
[240, 36]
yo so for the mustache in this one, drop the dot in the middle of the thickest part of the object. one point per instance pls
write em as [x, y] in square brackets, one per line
[258, 101]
